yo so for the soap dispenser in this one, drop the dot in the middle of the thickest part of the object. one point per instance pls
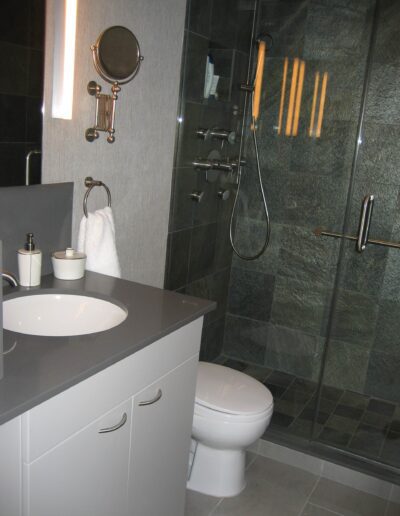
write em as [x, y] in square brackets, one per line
[29, 263]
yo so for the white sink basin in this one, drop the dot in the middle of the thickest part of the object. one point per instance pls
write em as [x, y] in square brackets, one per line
[60, 315]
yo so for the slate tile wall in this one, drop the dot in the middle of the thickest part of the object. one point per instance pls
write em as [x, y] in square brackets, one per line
[199, 254]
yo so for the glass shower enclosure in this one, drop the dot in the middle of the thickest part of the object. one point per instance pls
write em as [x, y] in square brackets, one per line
[317, 317]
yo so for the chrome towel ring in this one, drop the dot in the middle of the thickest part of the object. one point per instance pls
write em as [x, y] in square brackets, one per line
[91, 183]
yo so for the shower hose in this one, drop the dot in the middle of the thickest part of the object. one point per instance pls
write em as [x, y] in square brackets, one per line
[265, 205]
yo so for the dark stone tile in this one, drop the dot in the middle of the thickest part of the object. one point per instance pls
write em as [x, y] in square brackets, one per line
[380, 153]
[391, 449]
[199, 16]
[303, 256]
[303, 428]
[248, 238]
[354, 318]
[189, 145]
[196, 54]
[224, 23]
[381, 407]
[245, 339]
[14, 23]
[368, 440]
[286, 22]
[350, 412]
[331, 393]
[343, 424]
[395, 425]
[281, 420]
[276, 390]
[308, 414]
[376, 420]
[206, 211]
[339, 365]
[289, 407]
[181, 205]
[383, 378]
[36, 73]
[202, 251]
[37, 26]
[354, 399]
[215, 287]
[334, 437]
[387, 44]
[388, 327]
[212, 340]
[281, 379]
[251, 294]
[13, 126]
[293, 351]
[14, 63]
[257, 372]
[303, 385]
[334, 32]
[297, 306]
[235, 364]
[383, 101]
[365, 275]
[12, 159]
[390, 288]
[326, 405]
[178, 259]
[34, 119]
[297, 397]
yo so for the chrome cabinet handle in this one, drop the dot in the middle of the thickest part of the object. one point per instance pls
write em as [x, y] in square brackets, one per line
[365, 222]
[154, 400]
[115, 427]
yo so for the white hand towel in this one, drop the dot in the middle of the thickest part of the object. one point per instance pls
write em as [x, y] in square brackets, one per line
[97, 240]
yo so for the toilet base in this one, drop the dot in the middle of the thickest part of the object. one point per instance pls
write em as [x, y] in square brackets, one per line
[217, 472]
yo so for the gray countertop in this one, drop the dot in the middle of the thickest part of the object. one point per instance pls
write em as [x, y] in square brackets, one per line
[37, 368]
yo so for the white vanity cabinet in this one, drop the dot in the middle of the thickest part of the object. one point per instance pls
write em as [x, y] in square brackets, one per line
[116, 443]
[85, 474]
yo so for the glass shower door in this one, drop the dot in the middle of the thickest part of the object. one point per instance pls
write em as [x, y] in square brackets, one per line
[359, 402]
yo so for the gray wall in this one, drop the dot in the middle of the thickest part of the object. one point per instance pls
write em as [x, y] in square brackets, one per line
[138, 166]
[199, 253]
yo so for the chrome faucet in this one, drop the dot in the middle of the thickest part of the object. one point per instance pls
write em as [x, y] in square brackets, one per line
[10, 278]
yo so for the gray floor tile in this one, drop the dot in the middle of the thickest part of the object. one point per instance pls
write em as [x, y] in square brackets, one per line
[198, 504]
[346, 501]
[315, 510]
[273, 489]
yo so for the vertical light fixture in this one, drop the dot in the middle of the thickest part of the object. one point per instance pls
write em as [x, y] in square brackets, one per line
[64, 58]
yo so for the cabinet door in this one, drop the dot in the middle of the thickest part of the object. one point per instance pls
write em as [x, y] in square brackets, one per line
[85, 475]
[10, 469]
[161, 430]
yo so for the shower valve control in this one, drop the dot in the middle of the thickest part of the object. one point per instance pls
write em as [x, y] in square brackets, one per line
[196, 196]
[217, 134]
[216, 164]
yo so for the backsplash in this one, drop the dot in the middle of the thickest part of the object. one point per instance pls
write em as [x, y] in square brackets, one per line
[45, 211]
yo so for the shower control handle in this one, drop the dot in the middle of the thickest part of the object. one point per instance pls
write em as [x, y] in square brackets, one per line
[216, 134]
[223, 194]
[216, 164]
[196, 196]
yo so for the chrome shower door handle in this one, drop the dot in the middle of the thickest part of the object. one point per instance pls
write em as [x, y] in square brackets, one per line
[365, 223]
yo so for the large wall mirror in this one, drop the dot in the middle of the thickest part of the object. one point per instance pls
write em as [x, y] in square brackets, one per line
[22, 27]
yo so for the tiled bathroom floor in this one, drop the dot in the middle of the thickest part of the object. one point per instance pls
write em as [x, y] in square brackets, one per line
[276, 489]
[348, 420]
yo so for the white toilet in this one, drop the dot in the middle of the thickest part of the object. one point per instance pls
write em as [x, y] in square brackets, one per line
[232, 410]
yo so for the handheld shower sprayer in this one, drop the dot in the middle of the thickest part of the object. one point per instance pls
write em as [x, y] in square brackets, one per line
[254, 90]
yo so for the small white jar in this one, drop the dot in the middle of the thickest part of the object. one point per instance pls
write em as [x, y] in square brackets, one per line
[68, 264]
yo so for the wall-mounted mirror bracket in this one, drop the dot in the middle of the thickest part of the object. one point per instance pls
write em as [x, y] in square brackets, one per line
[116, 58]
[105, 111]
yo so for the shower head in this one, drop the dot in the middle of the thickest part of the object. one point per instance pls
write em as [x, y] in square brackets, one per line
[267, 38]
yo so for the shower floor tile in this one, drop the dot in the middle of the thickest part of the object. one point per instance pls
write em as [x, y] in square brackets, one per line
[348, 420]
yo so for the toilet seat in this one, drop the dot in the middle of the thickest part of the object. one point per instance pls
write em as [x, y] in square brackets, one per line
[216, 415]
[225, 392]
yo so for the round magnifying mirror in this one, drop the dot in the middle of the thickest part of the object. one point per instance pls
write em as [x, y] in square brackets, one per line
[116, 55]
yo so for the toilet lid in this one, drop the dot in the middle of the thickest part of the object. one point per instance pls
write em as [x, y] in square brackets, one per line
[226, 390]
